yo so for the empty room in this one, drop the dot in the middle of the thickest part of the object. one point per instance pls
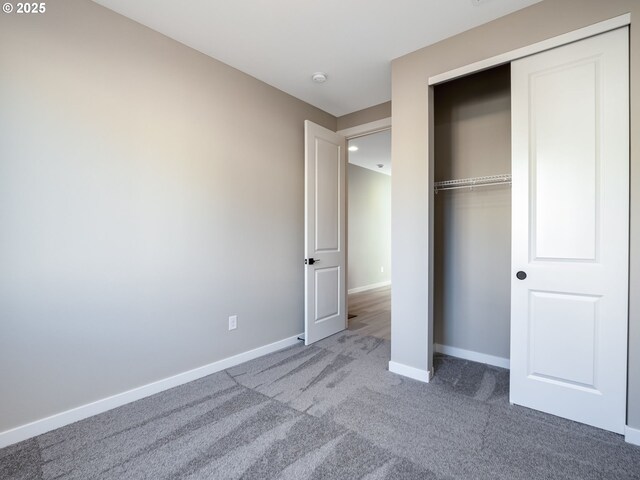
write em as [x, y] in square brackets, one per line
[307, 240]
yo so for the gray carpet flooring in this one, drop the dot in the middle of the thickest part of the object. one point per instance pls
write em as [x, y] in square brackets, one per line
[331, 410]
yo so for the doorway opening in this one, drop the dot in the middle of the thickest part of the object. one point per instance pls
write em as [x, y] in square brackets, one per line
[369, 234]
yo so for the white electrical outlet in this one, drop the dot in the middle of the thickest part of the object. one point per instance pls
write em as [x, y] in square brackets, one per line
[233, 322]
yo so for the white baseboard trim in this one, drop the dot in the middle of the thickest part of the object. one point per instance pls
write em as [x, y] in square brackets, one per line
[632, 435]
[38, 427]
[473, 356]
[369, 287]
[411, 372]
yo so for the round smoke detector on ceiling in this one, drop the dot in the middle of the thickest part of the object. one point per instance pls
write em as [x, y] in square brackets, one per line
[319, 77]
[380, 165]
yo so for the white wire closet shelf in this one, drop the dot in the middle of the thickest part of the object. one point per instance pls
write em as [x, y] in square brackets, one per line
[470, 183]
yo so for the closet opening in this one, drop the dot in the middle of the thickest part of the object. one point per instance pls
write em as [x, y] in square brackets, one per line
[472, 218]
[563, 334]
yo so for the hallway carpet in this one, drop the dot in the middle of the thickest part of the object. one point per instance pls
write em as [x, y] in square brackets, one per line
[331, 410]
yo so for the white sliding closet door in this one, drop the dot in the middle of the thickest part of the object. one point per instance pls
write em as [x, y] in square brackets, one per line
[570, 129]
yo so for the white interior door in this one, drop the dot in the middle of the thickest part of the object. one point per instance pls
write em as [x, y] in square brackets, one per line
[570, 230]
[324, 242]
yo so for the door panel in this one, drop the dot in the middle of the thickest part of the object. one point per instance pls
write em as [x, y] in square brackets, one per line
[563, 337]
[325, 291]
[327, 196]
[570, 141]
[564, 130]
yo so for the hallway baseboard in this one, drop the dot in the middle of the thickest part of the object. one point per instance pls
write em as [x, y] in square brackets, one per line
[373, 286]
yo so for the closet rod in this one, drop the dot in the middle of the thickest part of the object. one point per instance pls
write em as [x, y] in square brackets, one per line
[472, 182]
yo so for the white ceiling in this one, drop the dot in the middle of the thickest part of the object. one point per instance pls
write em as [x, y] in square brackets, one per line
[373, 150]
[283, 42]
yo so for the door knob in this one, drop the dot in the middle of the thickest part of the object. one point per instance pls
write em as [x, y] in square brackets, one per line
[521, 275]
[311, 261]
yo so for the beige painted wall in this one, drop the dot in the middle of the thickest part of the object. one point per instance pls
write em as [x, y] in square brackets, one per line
[147, 192]
[472, 229]
[371, 114]
[412, 205]
[369, 215]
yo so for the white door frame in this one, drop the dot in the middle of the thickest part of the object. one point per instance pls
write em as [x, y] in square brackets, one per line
[349, 133]
[366, 128]
[475, 67]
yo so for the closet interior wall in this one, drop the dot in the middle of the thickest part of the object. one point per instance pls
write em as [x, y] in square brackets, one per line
[472, 235]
